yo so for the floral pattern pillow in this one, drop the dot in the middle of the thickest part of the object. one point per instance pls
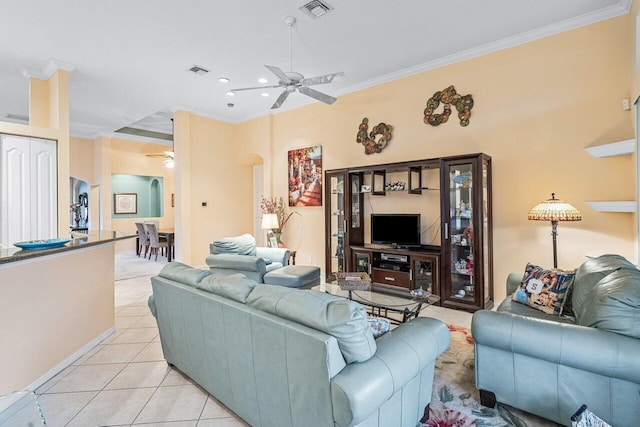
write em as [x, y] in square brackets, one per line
[544, 289]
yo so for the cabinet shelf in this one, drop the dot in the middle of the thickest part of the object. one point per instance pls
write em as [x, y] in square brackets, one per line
[461, 274]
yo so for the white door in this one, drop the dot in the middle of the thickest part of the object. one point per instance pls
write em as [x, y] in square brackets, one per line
[15, 190]
[44, 189]
[28, 189]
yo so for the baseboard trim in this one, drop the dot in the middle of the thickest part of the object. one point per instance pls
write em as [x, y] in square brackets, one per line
[69, 360]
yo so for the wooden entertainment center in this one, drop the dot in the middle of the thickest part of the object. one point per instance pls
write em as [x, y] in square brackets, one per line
[453, 195]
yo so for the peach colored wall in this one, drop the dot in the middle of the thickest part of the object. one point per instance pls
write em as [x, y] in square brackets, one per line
[220, 175]
[81, 159]
[53, 311]
[129, 157]
[536, 107]
[39, 110]
[256, 134]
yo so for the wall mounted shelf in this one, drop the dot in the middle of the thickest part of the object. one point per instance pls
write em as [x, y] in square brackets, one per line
[621, 148]
[613, 206]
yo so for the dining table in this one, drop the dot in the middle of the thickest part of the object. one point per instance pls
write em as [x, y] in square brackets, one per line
[169, 234]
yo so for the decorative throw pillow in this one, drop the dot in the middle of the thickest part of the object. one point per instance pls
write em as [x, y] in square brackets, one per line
[544, 289]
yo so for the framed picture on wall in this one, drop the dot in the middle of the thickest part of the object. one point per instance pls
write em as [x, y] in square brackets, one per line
[304, 167]
[125, 203]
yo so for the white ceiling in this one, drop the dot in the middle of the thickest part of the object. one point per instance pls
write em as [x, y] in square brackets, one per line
[131, 57]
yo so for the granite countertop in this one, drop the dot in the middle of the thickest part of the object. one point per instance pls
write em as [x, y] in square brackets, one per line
[78, 241]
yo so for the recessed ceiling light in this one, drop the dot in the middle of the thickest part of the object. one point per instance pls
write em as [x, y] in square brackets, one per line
[231, 93]
[262, 80]
[224, 79]
[264, 94]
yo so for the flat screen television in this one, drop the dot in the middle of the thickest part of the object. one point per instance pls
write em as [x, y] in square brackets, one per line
[401, 230]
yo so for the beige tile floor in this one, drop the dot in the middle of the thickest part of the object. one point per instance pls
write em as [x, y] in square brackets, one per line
[125, 381]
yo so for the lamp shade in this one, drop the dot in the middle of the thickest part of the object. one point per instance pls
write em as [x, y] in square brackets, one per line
[269, 221]
[554, 210]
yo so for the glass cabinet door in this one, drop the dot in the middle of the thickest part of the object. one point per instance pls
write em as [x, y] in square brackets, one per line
[462, 214]
[362, 261]
[337, 223]
[355, 201]
[425, 273]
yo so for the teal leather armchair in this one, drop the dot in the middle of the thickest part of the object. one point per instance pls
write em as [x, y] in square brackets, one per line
[239, 254]
[549, 365]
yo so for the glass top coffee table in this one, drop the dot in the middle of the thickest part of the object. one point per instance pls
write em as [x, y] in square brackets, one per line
[382, 304]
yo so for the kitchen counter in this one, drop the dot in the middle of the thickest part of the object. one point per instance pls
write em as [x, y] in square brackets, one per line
[55, 305]
[78, 241]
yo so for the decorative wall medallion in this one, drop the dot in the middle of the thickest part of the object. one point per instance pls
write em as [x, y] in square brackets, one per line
[382, 130]
[448, 97]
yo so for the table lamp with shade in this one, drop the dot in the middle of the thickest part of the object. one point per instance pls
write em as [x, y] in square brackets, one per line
[554, 210]
[269, 222]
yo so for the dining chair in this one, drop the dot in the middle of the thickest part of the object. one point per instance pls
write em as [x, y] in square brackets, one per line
[143, 239]
[155, 242]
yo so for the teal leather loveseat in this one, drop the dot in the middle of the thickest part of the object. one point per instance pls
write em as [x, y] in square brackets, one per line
[551, 365]
[282, 357]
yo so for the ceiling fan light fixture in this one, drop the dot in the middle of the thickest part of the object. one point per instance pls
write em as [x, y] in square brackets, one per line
[169, 163]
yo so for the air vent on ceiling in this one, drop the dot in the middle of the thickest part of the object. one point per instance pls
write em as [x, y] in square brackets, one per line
[316, 8]
[198, 70]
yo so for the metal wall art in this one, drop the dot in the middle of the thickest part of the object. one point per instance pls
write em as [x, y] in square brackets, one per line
[448, 97]
[382, 130]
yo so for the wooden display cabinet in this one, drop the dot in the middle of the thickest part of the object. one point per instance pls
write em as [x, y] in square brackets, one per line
[459, 268]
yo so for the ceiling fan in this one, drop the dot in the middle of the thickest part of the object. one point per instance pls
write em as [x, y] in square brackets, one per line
[167, 155]
[169, 161]
[292, 81]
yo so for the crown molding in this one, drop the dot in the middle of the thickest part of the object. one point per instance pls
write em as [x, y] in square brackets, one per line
[54, 65]
[622, 8]
[48, 70]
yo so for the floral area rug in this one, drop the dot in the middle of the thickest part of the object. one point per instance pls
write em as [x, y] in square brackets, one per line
[456, 401]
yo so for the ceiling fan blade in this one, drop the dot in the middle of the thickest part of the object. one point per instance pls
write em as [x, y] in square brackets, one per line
[320, 80]
[279, 73]
[257, 87]
[280, 99]
[317, 95]
[157, 155]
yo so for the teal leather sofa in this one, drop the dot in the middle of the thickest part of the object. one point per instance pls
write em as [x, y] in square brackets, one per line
[281, 357]
[239, 254]
[549, 365]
